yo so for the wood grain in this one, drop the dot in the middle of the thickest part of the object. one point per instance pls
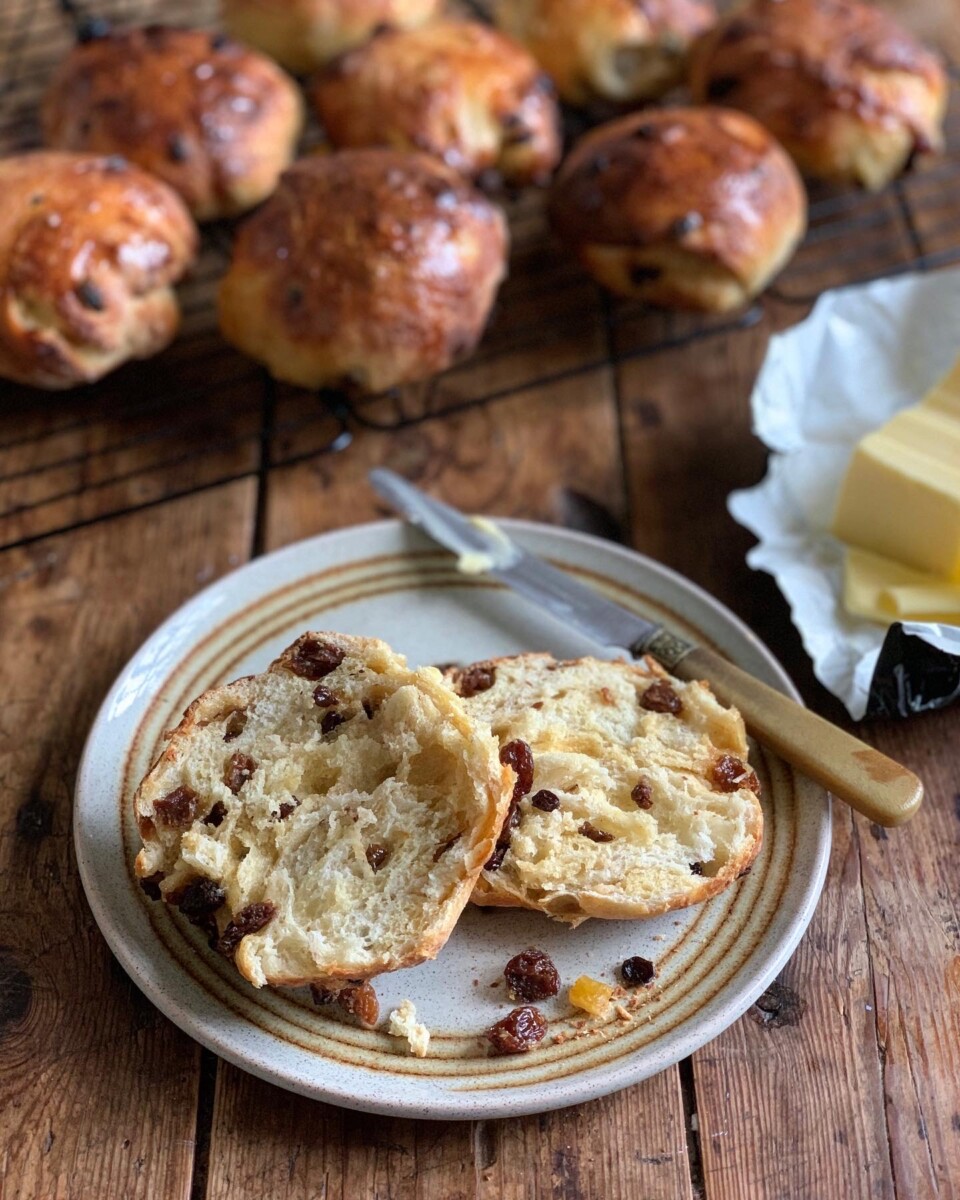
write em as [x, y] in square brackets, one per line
[98, 1092]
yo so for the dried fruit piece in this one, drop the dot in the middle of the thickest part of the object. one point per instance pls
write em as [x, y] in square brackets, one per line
[313, 658]
[472, 680]
[360, 1000]
[248, 920]
[642, 795]
[532, 975]
[322, 995]
[323, 697]
[216, 814]
[546, 801]
[591, 995]
[330, 722]
[177, 808]
[637, 971]
[517, 1032]
[730, 773]
[519, 756]
[199, 899]
[660, 697]
[696, 868]
[377, 856]
[238, 770]
[288, 806]
[595, 834]
[495, 861]
[235, 724]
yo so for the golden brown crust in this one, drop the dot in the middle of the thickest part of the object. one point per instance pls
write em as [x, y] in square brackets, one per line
[613, 50]
[215, 120]
[849, 92]
[366, 265]
[305, 34]
[89, 250]
[455, 89]
[683, 207]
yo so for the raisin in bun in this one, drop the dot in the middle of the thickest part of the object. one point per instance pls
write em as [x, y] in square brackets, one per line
[455, 89]
[366, 266]
[325, 820]
[90, 249]
[849, 92]
[681, 207]
[620, 51]
[305, 34]
[633, 793]
[215, 120]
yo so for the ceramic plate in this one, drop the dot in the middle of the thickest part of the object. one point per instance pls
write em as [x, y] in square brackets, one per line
[386, 580]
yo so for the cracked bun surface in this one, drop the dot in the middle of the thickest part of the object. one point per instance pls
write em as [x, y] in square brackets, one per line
[619, 51]
[371, 267]
[90, 249]
[847, 90]
[633, 794]
[326, 820]
[215, 120]
[302, 35]
[454, 89]
[682, 207]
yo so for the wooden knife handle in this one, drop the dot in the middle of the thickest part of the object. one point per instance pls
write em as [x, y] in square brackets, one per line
[854, 772]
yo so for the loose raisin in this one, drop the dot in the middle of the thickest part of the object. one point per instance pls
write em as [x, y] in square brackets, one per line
[360, 1000]
[595, 834]
[518, 1031]
[313, 659]
[323, 697]
[238, 770]
[642, 795]
[330, 721]
[377, 856]
[234, 725]
[729, 774]
[637, 971]
[660, 697]
[532, 975]
[177, 808]
[287, 807]
[200, 899]
[248, 920]
[546, 801]
[322, 995]
[445, 846]
[216, 814]
[476, 679]
[151, 885]
[696, 868]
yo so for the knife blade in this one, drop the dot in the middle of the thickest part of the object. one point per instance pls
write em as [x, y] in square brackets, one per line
[483, 548]
[854, 772]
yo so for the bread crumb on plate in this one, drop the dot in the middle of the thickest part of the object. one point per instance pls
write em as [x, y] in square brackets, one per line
[404, 1023]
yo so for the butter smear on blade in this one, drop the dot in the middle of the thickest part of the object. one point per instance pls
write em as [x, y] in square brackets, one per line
[479, 562]
[900, 501]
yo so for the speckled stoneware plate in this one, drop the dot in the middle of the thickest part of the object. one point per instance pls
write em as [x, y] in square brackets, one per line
[386, 580]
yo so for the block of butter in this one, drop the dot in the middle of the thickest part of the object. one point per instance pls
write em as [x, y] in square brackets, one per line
[883, 590]
[901, 494]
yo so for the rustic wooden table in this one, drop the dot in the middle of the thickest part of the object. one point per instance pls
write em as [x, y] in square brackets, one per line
[119, 502]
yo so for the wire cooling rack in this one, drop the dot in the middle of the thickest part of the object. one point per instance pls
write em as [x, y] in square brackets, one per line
[200, 415]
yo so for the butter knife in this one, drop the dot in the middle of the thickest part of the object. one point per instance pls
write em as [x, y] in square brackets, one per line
[874, 785]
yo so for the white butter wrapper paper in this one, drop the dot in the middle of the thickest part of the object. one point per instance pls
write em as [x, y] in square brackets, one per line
[863, 353]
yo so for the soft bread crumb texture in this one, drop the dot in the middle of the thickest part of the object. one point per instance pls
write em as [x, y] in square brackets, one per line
[673, 790]
[404, 1024]
[361, 801]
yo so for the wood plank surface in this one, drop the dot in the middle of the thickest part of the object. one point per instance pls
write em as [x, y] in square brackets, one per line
[98, 1091]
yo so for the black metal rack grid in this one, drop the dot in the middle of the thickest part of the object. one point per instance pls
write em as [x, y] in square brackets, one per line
[200, 415]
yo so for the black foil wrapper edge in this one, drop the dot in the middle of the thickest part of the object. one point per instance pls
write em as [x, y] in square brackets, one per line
[911, 676]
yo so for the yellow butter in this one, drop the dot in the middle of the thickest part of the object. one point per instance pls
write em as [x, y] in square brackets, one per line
[901, 494]
[883, 590]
